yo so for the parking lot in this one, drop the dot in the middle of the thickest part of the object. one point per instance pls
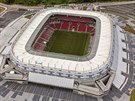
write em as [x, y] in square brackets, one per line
[9, 17]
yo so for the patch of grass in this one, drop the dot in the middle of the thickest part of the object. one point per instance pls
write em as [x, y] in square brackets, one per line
[29, 16]
[132, 97]
[129, 29]
[85, 8]
[133, 21]
[115, 13]
[68, 42]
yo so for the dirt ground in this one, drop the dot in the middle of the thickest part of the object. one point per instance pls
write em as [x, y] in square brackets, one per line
[1, 9]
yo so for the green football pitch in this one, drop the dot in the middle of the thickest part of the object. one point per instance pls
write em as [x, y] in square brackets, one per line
[68, 42]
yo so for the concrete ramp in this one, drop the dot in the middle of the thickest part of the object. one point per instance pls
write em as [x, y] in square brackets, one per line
[51, 80]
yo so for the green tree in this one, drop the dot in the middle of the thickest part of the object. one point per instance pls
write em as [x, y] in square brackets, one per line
[9, 1]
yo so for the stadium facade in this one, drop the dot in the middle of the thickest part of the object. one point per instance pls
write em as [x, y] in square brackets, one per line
[90, 74]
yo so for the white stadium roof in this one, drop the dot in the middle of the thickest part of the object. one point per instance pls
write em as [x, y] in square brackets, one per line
[101, 57]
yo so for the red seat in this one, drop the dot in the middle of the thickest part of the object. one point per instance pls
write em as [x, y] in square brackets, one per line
[74, 26]
[65, 25]
[82, 27]
[40, 40]
[85, 19]
[52, 26]
[38, 46]
[57, 25]
[89, 28]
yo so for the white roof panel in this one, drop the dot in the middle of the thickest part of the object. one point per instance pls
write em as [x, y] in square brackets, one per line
[101, 55]
[51, 80]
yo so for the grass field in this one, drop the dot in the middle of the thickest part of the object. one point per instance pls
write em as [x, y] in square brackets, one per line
[132, 96]
[29, 16]
[129, 29]
[133, 21]
[68, 42]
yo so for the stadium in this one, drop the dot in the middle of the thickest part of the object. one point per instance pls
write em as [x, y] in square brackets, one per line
[66, 48]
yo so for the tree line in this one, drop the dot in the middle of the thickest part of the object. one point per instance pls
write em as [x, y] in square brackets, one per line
[52, 2]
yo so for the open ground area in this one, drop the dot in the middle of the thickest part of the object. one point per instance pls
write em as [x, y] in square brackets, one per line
[2, 9]
[129, 29]
[132, 98]
[68, 42]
